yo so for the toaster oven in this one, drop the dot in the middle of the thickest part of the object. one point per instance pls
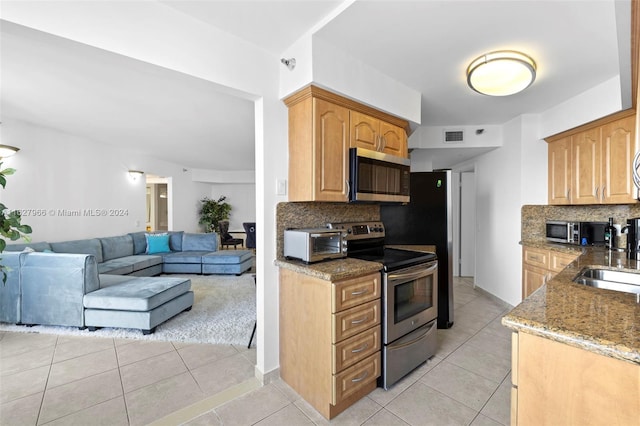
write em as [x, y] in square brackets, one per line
[315, 244]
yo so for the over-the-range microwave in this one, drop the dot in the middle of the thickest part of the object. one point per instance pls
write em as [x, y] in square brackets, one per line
[375, 176]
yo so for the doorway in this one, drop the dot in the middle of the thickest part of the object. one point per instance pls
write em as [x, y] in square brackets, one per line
[158, 203]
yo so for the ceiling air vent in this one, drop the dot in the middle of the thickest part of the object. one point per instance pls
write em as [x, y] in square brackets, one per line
[453, 136]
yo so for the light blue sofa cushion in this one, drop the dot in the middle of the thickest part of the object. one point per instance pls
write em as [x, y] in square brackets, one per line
[35, 246]
[184, 257]
[226, 257]
[11, 291]
[129, 264]
[200, 242]
[175, 240]
[115, 267]
[137, 294]
[139, 242]
[53, 286]
[135, 319]
[90, 246]
[116, 247]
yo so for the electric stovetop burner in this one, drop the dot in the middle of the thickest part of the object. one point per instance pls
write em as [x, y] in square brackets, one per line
[393, 259]
[365, 240]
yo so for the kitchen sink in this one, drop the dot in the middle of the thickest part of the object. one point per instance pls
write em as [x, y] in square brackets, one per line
[627, 282]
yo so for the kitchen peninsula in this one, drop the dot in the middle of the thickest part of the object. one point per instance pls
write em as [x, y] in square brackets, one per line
[576, 349]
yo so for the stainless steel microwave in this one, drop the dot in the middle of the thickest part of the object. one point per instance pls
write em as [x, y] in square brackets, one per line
[375, 176]
[581, 233]
[315, 244]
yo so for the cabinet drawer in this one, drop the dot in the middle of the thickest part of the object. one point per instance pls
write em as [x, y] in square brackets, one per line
[559, 261]
[356, 348]
[536, 257]
[355, 320]
[356, 291]
[355, 378]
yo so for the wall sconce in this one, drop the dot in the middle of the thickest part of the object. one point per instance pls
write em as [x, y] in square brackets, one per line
[7, 150]
[501, 73]
[135, 174]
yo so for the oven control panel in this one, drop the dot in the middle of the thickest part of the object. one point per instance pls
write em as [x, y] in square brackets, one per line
[360, 230]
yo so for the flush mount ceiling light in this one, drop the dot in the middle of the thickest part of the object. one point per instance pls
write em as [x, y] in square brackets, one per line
[7, 151]
[501, 73]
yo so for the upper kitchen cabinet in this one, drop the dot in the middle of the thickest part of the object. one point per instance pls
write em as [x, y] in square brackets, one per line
[321, 131]
[377, 135]
[593, 164]
[318, 151]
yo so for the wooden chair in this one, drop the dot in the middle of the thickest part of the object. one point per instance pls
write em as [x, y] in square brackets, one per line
[227, 239]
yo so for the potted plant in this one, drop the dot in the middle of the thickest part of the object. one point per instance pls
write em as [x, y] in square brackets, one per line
[212, 212]
[10, 226]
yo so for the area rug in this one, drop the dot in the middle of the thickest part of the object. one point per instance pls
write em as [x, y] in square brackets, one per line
[224, 312]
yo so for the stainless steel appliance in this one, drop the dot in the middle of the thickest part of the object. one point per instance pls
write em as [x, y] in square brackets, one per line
[580, 233]
[375, 176]
[409, 298]
[314, 244]
[427, 219]
[633, 238]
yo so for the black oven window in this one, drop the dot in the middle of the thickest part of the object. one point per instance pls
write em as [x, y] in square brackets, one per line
[412, 298]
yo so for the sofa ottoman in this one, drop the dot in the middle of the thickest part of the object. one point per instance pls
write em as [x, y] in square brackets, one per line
[227, 262]
[136, 302]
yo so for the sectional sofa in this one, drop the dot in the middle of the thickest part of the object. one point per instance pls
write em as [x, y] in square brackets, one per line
[110, 282]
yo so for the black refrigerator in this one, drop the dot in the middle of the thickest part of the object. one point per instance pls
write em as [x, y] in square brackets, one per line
[427, 220]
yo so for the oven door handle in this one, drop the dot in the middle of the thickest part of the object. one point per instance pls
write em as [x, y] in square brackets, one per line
[412, 275]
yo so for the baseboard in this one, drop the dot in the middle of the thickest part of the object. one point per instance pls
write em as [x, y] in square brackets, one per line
[266, 378]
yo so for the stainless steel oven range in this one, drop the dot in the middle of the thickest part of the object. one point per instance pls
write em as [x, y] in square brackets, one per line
[409, 298]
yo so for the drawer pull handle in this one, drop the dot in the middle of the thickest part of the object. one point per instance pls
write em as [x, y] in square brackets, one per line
[361, 378]
[360, 349]
[358, 293]
[360, 321]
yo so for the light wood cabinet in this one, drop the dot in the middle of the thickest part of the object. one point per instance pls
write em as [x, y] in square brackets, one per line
[322, 126]
[560, 171]
[541, 265]
[593, 164]
[318, 151]
[377, 135]
[330, 338]
[554, 383]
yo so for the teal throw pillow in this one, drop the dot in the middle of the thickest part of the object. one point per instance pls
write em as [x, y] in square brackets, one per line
[157, 243]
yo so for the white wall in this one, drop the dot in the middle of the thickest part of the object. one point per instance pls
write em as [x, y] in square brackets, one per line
[58, 172]
[498, 217]
[242, 198]
[599, 101]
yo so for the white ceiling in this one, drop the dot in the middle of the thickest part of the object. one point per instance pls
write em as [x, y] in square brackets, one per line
[424, 44]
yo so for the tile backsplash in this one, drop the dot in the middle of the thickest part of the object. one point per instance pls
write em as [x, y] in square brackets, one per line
[534, 216]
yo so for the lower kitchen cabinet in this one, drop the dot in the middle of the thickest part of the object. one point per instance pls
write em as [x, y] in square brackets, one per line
[330, 338]
[540, 265]
[557, 384]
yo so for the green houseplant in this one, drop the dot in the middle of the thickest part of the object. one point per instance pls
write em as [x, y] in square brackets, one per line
[10, 226]
[212, 212]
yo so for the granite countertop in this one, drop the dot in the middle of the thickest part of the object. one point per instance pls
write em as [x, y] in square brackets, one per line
[602, 321]
[331, 270]
[339, 269]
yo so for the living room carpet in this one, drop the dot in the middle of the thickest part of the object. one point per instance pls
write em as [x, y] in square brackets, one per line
[223, 312]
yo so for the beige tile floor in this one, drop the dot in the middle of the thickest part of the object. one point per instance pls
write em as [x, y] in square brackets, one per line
[57, 380]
